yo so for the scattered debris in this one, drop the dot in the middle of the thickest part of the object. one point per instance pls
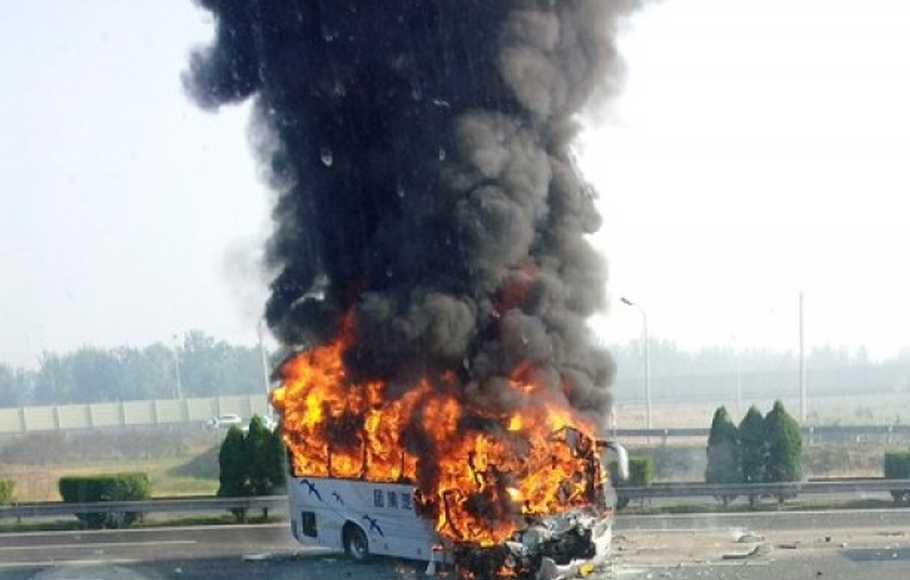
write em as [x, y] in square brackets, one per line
[554, 547]
[257, 557]
[843, 544]
[741, 555]
[789, 546]
[828, 539]
[749, 538]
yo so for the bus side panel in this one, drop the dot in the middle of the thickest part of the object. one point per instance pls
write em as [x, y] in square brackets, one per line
[313, 520]
[388, 515]
[385, 512]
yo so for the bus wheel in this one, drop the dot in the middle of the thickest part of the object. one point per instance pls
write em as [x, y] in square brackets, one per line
[355, 542]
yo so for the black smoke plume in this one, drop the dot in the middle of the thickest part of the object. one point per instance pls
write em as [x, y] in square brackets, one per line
[420, 150]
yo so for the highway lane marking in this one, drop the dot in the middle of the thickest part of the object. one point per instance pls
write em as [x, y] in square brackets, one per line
[96, 545]
[620, 518]
[203, 528]
[731, 515]
[56, 563]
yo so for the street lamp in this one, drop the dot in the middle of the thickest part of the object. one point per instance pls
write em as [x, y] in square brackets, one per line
[263, 361]
[647, 352]
[739, 377]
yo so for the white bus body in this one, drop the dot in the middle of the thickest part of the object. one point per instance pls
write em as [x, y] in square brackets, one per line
[327, 512]
[364, 518]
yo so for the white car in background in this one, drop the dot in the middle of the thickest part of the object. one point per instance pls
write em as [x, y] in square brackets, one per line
[270, 423]
[224, 421]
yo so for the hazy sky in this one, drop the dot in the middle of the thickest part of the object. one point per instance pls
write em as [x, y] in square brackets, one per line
[759, 149]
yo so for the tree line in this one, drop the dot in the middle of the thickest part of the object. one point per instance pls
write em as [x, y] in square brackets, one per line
[208, 367]
[712, 372]
[760, 450]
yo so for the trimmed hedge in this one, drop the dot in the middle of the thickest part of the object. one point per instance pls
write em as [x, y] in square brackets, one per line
[641, 474]
[897, 466]
[7, 490]
[99, 488]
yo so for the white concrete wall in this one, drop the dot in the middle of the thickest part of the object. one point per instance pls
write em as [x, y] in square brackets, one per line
[105, 414]
[163, 411]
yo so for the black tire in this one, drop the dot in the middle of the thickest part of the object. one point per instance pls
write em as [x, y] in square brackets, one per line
[356, 545]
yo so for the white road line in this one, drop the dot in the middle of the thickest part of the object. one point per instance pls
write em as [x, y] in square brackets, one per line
[95, 545]
[625, 531]
[768, 514]
[149, 530]
[56, 563]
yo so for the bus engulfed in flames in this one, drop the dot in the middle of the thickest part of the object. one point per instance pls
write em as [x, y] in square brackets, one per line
[479, 477]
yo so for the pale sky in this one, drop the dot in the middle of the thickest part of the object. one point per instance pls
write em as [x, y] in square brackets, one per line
[758, 149]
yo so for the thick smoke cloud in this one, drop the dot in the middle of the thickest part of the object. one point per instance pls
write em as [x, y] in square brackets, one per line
[420, 151]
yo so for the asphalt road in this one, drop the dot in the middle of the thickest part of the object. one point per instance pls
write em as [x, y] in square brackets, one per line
[865, 544]
[770, 521]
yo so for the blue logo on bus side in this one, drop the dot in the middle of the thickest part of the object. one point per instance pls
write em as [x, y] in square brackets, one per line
[374, 525]
[312, 488]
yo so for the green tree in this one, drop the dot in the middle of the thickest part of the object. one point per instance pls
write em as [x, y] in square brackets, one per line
[785, 445]
[724, 464]
[753, 448]
[276, 460]
[16, 386]
[234, 468]
[256, 448]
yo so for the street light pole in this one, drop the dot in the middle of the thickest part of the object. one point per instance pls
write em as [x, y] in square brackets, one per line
[739, 386]
[263, 360]
[647, 352]
[803, 388]
[739, 377]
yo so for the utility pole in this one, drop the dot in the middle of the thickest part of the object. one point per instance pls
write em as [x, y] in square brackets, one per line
[647, 356]
[803, 388]
[263, 360]
[739, 378]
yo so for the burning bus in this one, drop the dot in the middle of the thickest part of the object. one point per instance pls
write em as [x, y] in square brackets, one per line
[431, 265]
[427, 476]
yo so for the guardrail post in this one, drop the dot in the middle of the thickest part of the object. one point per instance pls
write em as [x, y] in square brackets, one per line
[185, 410]
[23, 422]
[56, 414]
[122, 412]
[155, 412]
[90, 415]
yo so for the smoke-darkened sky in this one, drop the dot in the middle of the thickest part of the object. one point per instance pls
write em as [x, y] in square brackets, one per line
[757, 149]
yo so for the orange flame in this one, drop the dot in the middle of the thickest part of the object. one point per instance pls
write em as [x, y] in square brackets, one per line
[476, 484]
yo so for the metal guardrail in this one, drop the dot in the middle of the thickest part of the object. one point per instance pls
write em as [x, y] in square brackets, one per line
[682, 490]
[148, 506]
[279, 502]
[674, 432]
[821, 431]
